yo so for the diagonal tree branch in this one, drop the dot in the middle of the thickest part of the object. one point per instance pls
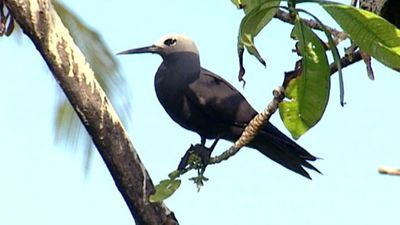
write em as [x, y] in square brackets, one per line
[285, 17]
[346, 61]
[42, 25]
[252, 129]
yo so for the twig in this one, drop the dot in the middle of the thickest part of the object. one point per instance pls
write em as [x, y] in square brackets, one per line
[389, 171]
[346, 61]
[285, 17]
[253, 127]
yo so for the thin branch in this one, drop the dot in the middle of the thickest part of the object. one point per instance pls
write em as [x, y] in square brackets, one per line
[389, 171]
[41, 23]
[253, 127]
[346, 61]
[285, 17]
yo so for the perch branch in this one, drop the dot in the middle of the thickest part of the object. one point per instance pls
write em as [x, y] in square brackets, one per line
[253, 127]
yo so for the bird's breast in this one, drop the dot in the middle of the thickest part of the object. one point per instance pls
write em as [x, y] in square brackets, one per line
[170, 91]
[176, 92]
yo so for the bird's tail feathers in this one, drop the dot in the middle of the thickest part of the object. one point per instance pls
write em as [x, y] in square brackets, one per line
[281, 149]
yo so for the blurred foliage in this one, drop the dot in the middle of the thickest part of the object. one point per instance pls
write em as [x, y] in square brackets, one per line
[69, 129]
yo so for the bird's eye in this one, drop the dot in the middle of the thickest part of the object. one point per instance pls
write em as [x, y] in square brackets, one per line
[170, 42]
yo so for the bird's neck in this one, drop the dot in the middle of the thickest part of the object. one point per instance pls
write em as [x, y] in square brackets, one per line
[183, 62]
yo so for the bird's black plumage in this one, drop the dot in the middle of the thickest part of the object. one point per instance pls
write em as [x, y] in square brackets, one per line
[205, 103]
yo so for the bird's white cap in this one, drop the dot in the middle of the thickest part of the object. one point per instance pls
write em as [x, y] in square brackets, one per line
[172, 43]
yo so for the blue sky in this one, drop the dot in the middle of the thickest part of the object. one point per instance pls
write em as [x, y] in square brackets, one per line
[43, 183]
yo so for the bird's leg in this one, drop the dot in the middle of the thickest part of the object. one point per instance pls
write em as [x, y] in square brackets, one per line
[211, 148]
[185, 158]
[197, 157]
[203, 141]
[205, 155]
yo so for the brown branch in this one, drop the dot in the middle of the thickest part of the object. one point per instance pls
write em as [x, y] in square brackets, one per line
[346, 61]
[285, 17]
[389, 171]
[253, 127]
[41, 23]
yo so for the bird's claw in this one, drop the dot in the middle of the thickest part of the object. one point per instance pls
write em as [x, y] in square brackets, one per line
[199, 180]
[197, 157]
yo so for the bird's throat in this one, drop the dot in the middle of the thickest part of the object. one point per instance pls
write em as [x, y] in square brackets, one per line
[183, 62]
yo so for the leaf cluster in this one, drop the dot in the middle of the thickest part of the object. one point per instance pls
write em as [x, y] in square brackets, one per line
[307, 87]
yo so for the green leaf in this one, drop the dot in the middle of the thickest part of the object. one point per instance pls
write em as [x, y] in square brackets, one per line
[258, 15]
[237, 3]
[373, 34]
[174, 174]
[335, 54]
[248, 5]
[308, 93]
[199, 181]
[164, 190]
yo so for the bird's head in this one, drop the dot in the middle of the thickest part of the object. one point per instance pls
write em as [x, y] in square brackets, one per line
[166, 45]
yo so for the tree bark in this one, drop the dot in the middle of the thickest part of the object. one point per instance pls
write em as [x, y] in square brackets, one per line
[388, 9]
[42, 25]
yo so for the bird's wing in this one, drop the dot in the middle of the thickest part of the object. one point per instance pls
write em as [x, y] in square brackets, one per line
[219, 100]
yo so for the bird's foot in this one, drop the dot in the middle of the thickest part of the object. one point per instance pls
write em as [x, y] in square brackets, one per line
[196, 157]
[199, 180]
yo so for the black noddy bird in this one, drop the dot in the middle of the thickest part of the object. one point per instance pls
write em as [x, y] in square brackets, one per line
[201, 101]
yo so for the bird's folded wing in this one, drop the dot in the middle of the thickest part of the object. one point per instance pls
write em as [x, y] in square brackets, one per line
[219, 100]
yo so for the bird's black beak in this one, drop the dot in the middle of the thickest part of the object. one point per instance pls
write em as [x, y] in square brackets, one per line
[148, 49]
